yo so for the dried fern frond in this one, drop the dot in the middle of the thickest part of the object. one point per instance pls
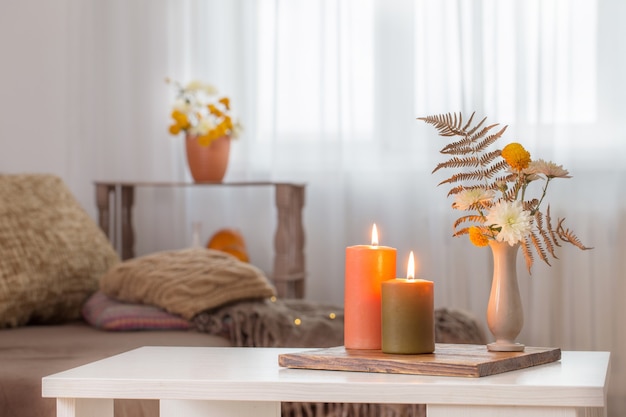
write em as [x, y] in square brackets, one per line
[470, 161]
[528, 255]
[553, 234]
[456, 190]
[497, 181]
[476, 175]
[469, 151]
[538, 247]
[461, 232]
[469, 122]
[460, 188]
[461, 147]
[547, 240]
[568, 236]
[489, 157]
[512, 192]
[489, 140]
[469, 218]
[449, 124]
[495, 168]
[530, 205]
[471, 143]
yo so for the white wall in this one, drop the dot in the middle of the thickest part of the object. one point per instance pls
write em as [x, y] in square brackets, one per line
[34, 85]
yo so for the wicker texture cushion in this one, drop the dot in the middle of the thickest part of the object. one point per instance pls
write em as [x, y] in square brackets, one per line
[185, 282]
[51, 252]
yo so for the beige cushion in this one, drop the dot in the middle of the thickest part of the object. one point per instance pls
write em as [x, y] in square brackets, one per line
[185, 282]
[51, 252]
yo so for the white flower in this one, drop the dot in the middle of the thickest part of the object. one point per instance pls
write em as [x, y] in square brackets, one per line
[209, 90]
[204, 126]
[529, 174]
[199, 86]
[467, 198]
[182, 106]
[512, 219]
[547, 168]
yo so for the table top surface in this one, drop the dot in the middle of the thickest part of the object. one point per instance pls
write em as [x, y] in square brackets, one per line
[579, 379]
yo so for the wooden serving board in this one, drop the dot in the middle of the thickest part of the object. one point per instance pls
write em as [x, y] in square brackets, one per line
[447, 360]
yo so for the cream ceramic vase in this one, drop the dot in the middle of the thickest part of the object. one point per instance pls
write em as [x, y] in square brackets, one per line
[505, 316]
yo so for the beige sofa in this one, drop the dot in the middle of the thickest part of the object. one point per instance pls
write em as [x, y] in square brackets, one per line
[31, 352]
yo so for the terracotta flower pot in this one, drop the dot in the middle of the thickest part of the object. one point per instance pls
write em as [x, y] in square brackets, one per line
[207, 163]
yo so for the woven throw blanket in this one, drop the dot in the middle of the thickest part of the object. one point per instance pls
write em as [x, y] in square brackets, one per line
[185, 282]
[275, 323]
[300, 323]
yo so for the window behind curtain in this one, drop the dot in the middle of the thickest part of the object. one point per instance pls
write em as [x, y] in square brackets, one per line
[323, 65]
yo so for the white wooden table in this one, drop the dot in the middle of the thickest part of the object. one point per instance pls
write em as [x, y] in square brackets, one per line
[196, 381]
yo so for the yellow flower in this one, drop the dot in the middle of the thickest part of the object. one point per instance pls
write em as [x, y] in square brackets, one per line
[205, 140]
[477, 237]
[179, 116]
[181, 122]
[214, 110]
[226, 102]
[516, 156]
[175, 129]
[226, 125]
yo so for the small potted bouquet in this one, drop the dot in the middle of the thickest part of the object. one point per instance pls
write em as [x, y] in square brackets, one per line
[204, 118]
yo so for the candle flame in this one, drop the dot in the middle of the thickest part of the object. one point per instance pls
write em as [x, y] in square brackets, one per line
[374, 235]
[410, 270]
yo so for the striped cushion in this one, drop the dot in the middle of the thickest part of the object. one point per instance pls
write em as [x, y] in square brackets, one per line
[109, 314]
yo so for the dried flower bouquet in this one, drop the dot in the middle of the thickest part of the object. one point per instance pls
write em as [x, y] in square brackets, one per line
[493, 185]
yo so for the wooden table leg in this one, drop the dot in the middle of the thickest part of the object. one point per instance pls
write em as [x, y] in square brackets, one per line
[84, 407]
[103, 201]
[289, 261]
[115, 210]
[127, 232]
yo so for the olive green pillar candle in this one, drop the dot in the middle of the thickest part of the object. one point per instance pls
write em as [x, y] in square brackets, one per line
[408, 316]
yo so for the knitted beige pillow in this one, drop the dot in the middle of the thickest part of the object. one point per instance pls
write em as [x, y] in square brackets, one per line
[185, 282]
[51, 252]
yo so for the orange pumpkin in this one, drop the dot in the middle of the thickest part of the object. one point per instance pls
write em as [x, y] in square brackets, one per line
[229, 241]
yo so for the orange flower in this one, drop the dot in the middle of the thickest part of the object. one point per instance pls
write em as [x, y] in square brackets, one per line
[477, 237]
[516, 156]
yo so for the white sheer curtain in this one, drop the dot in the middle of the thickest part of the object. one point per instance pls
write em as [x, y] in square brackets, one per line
[329, 93]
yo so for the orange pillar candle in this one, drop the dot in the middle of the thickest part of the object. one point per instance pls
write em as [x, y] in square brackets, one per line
[408, 314]
[367, 266]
